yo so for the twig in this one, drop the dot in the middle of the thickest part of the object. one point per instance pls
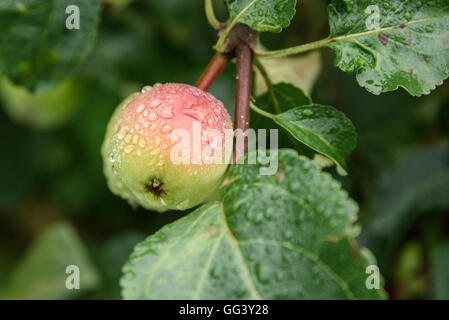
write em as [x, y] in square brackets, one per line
[269, 84]
[212, 71]
[244, 58]
[210, 14]
[261, 112]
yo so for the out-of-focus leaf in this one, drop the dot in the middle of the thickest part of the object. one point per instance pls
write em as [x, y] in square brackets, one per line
[44, 110]
[42, 272]
[263, 15]
[440, 274]
[323, 129]
[111, 256]
[418, 182]
[36, 47]
[391, 44]
[301, 71]
[282, 236]
[409, 274]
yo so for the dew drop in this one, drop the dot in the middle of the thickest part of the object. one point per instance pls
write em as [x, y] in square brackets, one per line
[257, 220]
[142, 142]
[153, 116]
[261, 273]
[146, 89]
[279, 275]
[122, 132]
[157, 141]
[155, 103]
[269, 213]
[140, 108]
[166, 128]
[307, 113]
[129, 149]
[287, 234]
[167, 113]
[217, 110]
[128, 138]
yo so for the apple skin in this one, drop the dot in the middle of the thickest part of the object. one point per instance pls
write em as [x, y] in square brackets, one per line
[44, 110]
[139, 141]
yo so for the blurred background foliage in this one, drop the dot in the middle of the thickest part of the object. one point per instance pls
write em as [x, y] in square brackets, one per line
[55, 207]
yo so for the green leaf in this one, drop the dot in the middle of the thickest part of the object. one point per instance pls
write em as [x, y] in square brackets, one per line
[323, 129]
[417, 183]
[284, 236]
[263, 15]
[42, 272]
[440, 265]
[391, 44]
[284, 97]
[36, 48]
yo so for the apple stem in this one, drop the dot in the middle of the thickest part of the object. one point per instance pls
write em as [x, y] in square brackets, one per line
[244, 57]
[213, 70]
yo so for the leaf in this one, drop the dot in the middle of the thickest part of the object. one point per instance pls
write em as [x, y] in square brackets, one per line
[36, 48]
[323, 129]
[301, 71]
[416, 183]
[284, 236]
[440, 265]
[391, 44]
[284, 97]
[408, 274]
[41, 273]
[263, 15]
[287, 96]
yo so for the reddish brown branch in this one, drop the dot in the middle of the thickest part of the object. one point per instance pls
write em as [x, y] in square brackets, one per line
[212, 71]
[244, 58]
